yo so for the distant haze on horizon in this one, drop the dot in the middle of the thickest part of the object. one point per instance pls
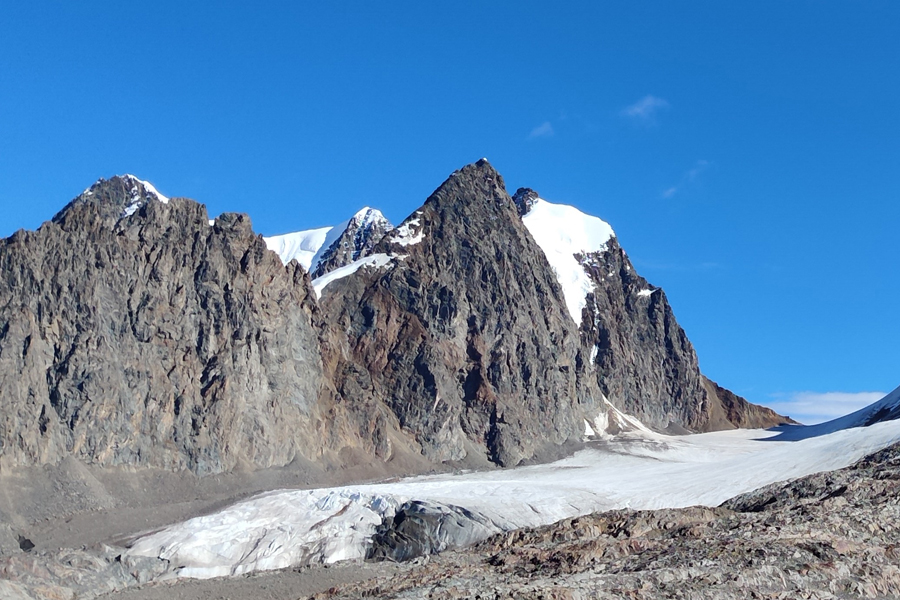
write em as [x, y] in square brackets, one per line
[746, 156]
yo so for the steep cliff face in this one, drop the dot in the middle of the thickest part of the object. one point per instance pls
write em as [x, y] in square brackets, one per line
[134, 332]
[642, 359]
[462, 328]
[639, 355]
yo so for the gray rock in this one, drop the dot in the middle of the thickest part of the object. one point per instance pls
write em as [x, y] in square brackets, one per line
[78, 574]
[132, 332]
[642, 360]
[422, 528]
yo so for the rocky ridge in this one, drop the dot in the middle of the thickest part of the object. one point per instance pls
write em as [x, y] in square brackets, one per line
[133, 332]
[464, 334]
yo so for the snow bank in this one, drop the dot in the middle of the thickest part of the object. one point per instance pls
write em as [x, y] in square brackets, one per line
[562, 232]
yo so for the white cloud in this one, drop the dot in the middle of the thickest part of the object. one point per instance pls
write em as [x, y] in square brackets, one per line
[545, 129]
[815, 407]
[689, 177]
[698, 168]
[645, 108]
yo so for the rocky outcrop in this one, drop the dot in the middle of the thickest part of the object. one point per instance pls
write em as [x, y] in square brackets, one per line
[829, 535]
[643, 361]
[359, 237]
[464, 334]
[134, 332]
[420, 528]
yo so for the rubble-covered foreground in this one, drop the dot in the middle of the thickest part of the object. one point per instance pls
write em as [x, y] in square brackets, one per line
[828, 535]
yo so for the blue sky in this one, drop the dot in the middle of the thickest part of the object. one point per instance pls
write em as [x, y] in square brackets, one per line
[746, 154]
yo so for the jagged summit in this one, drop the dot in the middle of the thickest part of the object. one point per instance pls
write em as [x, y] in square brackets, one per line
[118, 197]
[358, 237]
[368, 215]
[325, 249]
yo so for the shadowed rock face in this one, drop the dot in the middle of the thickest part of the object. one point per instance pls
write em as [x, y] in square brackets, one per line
[154, 339]
[465, 335]
[634, 353]
[643, 361]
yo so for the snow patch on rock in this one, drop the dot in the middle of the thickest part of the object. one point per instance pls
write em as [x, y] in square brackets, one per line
[373, 260]
[562, 232]
[409, 233]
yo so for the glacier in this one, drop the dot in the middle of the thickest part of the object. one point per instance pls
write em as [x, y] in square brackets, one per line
[637, 469]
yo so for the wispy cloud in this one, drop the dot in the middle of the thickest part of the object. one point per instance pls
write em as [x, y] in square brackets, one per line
[685, 267]
[815, 407]
[543, 130]
[689, 177]
[645, 109]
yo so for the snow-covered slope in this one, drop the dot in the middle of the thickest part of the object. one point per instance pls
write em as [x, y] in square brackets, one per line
[886, 409]
[303, 246]
[563, 231]
[310, 246]
[638, 469]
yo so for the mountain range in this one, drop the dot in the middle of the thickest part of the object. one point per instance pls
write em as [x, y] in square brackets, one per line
[135, 330]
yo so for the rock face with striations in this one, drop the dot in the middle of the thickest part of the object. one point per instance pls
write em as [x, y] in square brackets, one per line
[633, 350]
[134, 332]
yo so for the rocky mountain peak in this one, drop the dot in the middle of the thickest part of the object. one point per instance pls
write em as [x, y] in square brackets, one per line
[479, 177]
[116, 198]
[356, 239]
[524, 199]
